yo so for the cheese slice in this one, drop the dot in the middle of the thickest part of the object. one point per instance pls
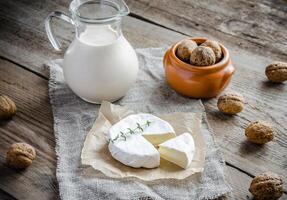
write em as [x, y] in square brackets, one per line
[179, 150]
[159, 130]
[136, 149]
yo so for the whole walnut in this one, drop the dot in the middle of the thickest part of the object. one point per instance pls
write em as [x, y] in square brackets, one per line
[277, 72]
[20, 155]
[266, 186]
[215, 47]
[7, 107]
[230, 103]
[202, 56]
[259, 132]
[184, 49]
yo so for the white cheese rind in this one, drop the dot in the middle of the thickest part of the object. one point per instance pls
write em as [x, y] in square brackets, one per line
[138, 150]
[135, 152]
[179, 150]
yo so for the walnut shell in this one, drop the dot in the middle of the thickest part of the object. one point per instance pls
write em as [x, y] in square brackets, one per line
[7, 107]
[267, 186]
[277, 72]
[20, 155]
[215, 47]
[202, 56]
[259, 132]
[184, 49]
[230, 103]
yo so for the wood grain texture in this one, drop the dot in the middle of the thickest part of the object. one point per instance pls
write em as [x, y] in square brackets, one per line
[241, 185]
[23, 40]
[32, 124]
[264, 101]
[251, 25]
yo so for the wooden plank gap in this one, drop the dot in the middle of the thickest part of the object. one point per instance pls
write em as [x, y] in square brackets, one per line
[235, 167]
[24, 67]
[155, 23]
[5, 196]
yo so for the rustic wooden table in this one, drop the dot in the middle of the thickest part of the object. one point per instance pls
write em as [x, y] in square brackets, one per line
[254, 31]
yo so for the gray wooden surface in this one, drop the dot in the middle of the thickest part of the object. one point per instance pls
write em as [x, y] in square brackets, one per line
[254, 31]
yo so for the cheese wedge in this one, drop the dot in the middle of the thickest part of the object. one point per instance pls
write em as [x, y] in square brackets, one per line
[179, 150]
[136, 148]
[159, 130]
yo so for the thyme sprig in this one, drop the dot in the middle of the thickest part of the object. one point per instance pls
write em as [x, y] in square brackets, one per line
[123, 135]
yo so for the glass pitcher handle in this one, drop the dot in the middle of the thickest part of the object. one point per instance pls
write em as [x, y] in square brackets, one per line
[50, 33]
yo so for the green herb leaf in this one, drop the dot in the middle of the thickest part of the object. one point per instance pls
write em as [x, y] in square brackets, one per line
[148, 123]
[130, 131]
[123, 136]
[139, 127]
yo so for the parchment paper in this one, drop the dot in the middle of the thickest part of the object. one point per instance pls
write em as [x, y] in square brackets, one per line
[95, 151]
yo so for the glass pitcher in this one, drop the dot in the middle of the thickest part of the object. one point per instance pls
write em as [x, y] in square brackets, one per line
[100, 64]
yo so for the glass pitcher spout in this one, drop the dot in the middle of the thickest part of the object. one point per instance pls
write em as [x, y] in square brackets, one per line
[98, 11]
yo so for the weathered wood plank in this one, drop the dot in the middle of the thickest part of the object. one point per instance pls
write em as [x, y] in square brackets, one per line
[265, 101]
[240, 186]
[32, 124]
[22, 35]
[251, 25]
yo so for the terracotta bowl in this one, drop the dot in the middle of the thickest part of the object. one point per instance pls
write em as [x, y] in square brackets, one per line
[195, 81]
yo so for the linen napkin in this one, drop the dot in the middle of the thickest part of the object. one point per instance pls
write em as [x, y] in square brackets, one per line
[73, 118]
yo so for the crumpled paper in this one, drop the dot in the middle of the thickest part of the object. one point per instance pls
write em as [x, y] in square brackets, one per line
[95, 151]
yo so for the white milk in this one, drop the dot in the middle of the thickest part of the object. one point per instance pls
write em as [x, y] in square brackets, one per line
[100, 65]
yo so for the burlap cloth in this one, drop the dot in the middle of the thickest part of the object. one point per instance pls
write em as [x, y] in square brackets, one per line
[73, 118]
